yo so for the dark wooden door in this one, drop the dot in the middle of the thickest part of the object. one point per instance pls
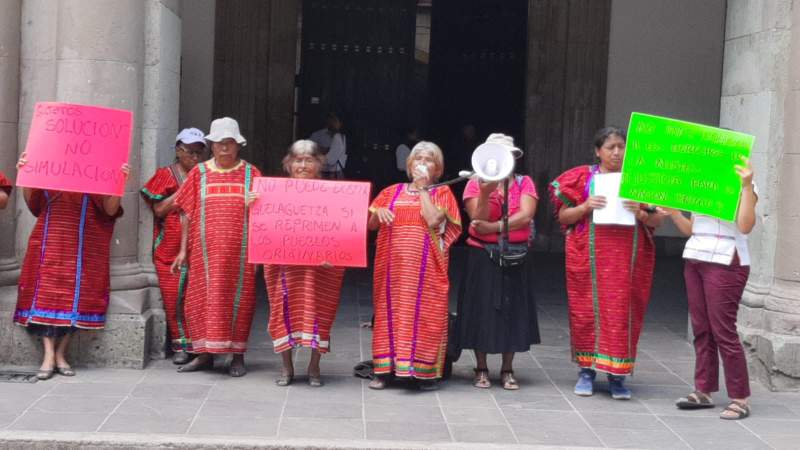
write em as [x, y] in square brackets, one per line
[356, 60]
[477, 71]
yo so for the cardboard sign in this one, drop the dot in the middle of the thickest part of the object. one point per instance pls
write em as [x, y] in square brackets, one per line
[77, 148]
[307, 222]
[683, 165]
[607, 185]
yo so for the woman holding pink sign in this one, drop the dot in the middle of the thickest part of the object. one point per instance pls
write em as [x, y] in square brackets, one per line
[303, 299]
[416, 226]
[57, 293]
[609, 270]
[160, 193]
[220, 296]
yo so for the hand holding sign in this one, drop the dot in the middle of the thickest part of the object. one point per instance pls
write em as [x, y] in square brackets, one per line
[76, 148]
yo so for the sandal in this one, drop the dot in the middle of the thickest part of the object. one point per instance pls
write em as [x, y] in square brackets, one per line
[197, 364]
[377, 383]
[509, 382]
[237, 370]
[44, 374]
[181, 357]
[740, 410]
[315, 381]
[285, 379]
[66, 371]
[695, 400]
[481, 380]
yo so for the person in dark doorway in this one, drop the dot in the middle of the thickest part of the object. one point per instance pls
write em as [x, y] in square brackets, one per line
[496, 307]
[411, 137]
[461, 149]
[333, 144]
[716, 271]
[609, 270]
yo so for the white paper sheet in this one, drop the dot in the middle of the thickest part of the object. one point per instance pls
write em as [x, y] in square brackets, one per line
[607, 185]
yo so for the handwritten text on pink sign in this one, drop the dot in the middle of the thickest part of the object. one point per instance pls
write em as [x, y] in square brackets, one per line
[308, 222]
[77, 148]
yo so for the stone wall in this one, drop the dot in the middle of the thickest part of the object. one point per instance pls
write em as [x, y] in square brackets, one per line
[761, 78]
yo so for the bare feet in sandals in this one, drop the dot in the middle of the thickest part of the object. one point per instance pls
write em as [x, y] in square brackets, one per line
[509, 382]
[481, 380]
[204, 361]
[695, 400]
[737, 409]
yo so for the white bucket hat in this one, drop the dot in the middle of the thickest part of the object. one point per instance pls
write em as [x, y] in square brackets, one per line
[505, 141]
[225, 128]
[190, 136]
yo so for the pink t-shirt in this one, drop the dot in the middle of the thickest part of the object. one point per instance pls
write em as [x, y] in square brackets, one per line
[521, 186]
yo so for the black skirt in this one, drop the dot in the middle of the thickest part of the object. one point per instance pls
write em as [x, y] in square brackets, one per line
[496, 307]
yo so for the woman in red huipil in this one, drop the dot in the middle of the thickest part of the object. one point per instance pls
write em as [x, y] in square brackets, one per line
[302, 299]
[220, 296]
[57, 292]
[160, 192]
[416, 226]
[609, 271]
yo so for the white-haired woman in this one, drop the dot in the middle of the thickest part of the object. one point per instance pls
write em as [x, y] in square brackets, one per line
[302, 299]
[416, 226]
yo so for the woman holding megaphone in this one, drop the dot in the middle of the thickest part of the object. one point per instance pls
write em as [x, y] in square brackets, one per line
[496, 307]
[609, 270]
[416, 225]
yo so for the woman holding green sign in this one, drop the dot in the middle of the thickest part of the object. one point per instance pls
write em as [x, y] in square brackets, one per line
[716, 271]
[609, 270]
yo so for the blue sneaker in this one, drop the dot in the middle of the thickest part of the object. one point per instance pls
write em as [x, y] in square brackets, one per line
[585, 385]
[617, 388]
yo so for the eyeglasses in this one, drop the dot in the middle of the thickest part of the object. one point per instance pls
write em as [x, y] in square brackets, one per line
[190, 152]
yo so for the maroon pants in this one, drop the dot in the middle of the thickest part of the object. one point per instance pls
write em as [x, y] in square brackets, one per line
[714, 292]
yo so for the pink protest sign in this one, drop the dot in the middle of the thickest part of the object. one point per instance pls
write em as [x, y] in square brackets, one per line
[308, 222]
[77, 148]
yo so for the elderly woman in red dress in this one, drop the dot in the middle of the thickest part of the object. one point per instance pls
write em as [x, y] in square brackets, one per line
[220, 296]
[58, 292]
[609, 271]
[416, 226]
[302, 299]
[160, 193]
[5, 190]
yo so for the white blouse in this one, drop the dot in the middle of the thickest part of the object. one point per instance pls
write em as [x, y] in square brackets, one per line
[714, 240]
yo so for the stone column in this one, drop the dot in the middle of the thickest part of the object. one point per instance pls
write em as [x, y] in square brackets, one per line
[777, 344]
[9, 118]
[9, 115]
[759, 96]
[80, 51]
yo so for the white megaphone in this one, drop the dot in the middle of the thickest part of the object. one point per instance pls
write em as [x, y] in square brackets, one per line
[493, 162]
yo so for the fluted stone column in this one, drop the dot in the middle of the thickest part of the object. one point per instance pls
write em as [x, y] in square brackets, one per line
[9, 118]
[119, 54]
[761, 78]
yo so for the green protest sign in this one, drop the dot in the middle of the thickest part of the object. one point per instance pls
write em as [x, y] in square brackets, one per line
[683, 165]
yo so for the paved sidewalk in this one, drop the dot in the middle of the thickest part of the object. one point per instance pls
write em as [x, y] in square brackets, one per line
[158, 407]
